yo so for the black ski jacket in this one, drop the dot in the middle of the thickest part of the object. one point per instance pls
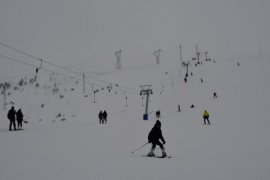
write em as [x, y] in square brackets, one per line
[11, 114]
[155, 134]
[19, 116]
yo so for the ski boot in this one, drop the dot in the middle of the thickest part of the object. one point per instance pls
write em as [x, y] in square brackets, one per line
[164, 154]
[151, 153]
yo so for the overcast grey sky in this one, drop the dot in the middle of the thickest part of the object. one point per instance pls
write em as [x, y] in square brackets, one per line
[68, 32]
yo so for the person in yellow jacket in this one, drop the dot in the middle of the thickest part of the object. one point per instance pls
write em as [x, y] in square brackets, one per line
[206, 117]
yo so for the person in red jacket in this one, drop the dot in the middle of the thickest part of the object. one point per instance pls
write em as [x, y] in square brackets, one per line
[153, 137]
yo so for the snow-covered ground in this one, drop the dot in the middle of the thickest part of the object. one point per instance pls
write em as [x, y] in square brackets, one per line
[63, 139]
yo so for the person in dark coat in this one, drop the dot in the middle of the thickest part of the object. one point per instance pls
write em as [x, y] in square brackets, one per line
[19, 118]
[11, 116]
[100, 116]
[215, 95]
[153, 137]
[104, 114]
[179, 108]
[157, 114]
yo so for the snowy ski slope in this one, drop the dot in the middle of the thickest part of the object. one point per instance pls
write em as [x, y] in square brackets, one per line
[75, 146]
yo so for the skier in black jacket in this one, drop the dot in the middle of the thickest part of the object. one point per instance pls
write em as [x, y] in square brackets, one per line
[100, 116]
[12, 116]
[104, 115]
[154, 135]
[19, 118]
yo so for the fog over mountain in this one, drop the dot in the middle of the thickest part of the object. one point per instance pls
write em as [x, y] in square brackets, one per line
[62, 137]
[68, 32]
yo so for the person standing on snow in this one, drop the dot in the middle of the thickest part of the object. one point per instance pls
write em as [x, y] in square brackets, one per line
[100, 116]
[215, 95]
[158, 114]
[19, 118]
[104, 114]
[206, 117]
[179, 108]
[153, 137]
[11, 116]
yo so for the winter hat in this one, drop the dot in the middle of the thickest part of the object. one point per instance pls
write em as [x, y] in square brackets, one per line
[158, 123]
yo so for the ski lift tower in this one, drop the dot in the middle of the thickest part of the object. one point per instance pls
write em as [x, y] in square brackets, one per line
[157, 55]
[146, 91]
[197, 53]
[4, 93]
[118, 59]
[206, 55]
[181, 58]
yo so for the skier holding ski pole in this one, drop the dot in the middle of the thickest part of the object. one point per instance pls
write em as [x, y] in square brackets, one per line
[154, 135]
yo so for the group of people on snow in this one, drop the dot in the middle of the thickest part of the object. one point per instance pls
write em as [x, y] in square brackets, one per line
[102, 117]
[155, 135]
[13, 116]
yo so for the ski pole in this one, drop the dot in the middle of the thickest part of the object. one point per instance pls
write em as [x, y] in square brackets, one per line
[139, 148]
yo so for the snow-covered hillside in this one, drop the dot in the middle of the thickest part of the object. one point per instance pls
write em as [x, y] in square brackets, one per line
[64, 140]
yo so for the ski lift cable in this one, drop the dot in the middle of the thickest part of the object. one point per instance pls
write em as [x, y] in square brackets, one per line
[41, 60]
[104, 82]
[45, 69]
[19, 51]
[16, 60]
[28, 64]
[119, 88]
[40, 67]
[36, 58]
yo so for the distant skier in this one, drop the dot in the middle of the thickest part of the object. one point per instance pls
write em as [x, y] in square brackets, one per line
[157, 114]
[215, 95]
[11, 116]
[201, 80]
[192, 106]
[179, 108]
[19, 118]
[100, 116]
[153, 137]
[104, 114]
[206, 117]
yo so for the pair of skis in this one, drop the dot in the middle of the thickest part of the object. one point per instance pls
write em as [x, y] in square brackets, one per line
[147, 155]
[157, 156]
